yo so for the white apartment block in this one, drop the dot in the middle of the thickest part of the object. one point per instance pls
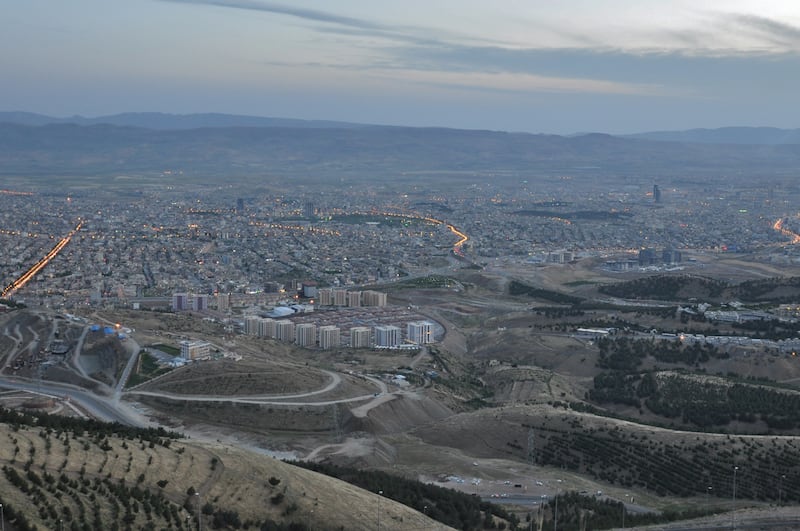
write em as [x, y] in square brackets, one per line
[193, 350]
[373, 298]
[306, 335]
[360, 337]
[387, 336]
[325, 297]
[284, 331]
[266, 327]
[354, 299]
[340, 297]
[329, 337]
[251, 325]
[420, 332]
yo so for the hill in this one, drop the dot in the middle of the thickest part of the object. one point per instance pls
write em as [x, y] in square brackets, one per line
[101, 477]
[102, 149]
[726, 135]
[159, 120]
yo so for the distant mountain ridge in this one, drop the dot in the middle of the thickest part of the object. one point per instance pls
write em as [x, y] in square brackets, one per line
[725, 135]
[66, 148]
[165, 121]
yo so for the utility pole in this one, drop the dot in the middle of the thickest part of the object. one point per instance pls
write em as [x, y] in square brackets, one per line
[199, 522]
[555, 515]
[380, 507]
[531, 446]
[733, 513]
[337, 422]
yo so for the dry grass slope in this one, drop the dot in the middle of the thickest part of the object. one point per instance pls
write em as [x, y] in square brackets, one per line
[79, 479]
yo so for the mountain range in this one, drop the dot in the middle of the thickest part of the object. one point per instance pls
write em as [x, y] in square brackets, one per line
[218, 144]
[157, 120]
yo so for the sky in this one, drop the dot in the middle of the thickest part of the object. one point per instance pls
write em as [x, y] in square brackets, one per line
[540, 66]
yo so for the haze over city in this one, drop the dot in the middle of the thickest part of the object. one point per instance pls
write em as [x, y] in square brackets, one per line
[327, 266]
[555, 67]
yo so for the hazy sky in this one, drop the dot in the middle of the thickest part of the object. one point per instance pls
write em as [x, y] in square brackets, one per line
[521, 65]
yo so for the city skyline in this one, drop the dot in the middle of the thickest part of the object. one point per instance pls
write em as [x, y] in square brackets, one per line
[518, 66]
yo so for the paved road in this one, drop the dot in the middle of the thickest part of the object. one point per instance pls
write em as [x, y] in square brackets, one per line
[133, 357]
[76, 353]
[98, 406]
[275, 400]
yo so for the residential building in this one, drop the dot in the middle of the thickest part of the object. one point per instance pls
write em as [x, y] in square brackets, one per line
[193, 350]
[420, 332]
[387, 336]
[360, 337]
[373, 298]
[284, 330]
[305, 334]
[329, 337]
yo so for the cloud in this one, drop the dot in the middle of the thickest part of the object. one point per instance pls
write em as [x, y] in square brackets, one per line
[526, 83]
[281, 9]
[468, 80]
[769, 30]
[709, 50]
[341, 24]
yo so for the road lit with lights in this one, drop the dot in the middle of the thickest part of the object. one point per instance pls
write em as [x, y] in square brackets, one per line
[30, 273]
[462, 238]
[780, 227]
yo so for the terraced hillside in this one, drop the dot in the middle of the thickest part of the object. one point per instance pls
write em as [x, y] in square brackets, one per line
[137, 479]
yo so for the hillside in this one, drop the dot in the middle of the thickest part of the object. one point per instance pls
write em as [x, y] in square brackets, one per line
[726, 135]
[141, 480]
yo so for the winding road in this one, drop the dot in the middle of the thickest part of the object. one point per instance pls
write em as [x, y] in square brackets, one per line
[285, 400]
[112, 409]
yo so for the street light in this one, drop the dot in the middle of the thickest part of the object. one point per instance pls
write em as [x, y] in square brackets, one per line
[380, 506]
[199, 523]
[733, 513]
[555, 515]
[780, 490]
[2, 519]
[708, 495]
[623, 510]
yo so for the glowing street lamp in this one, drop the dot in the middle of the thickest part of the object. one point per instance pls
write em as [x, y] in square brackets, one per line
[733, 513]
[199, 522]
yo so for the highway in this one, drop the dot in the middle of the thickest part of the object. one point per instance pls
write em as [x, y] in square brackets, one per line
[30, 273]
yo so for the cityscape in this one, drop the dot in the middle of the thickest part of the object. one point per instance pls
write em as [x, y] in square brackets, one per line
[257, 251]
[419, 266]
